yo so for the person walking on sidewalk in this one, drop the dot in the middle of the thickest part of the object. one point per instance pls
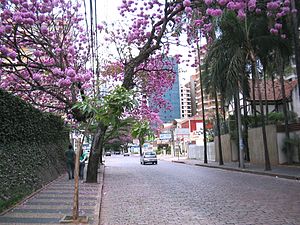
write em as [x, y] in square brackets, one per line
[83, 158]
[70, 159]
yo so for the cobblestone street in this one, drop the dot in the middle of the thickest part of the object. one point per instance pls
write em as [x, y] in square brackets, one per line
[171, 193]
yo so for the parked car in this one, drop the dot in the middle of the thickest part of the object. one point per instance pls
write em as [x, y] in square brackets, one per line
[107, 153]
[117, 152]
[126, 154]
[148, 157]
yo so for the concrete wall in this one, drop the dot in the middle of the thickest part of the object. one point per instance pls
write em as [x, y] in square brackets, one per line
[256, 145]
[229, 149]
[282, 158]
[197, 152]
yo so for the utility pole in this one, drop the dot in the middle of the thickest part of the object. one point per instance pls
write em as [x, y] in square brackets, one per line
[296, 40]
[202, 103]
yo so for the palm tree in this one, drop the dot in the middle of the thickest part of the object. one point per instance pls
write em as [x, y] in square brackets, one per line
[239, 45]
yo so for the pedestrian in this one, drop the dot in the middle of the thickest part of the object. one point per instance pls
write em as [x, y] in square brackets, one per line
[70, 159]
[83, 158]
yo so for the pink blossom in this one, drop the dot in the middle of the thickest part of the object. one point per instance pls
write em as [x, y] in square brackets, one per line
[251, 5]
[8, 28]
[208, 2]
[258, 11]
[186, 3]
[214, 12]
[70, 72]
[273, 5]
[36, 76]
[4, 50]
[37, 53]
[18, 18]
[274, 31]
[2, 30]
[71, 50]
[12, 55]
[57, 71]
[44, 30]
[241, 14]
[188, 10]
[100, 27]
[223, 2]
[278, 26]
[57, 50]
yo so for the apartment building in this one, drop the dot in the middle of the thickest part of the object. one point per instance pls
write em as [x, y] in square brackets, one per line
[185, 101]
[196, 96]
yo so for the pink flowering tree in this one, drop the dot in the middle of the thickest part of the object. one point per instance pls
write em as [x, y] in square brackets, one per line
[43, 54]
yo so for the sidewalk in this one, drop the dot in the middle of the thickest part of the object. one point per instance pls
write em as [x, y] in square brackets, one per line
[282, 171]
[55, 200]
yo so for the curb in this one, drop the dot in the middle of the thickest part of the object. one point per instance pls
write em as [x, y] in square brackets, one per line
[291, 177]
[101, 181]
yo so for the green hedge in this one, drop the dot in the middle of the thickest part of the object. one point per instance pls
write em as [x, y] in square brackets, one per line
[32, 146]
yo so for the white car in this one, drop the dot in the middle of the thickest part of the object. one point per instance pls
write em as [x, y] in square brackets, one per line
[126, 154]
[148, 157]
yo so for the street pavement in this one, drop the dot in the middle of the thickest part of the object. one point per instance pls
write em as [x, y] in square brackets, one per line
[179, 193]
[183, 192]
[54, 201]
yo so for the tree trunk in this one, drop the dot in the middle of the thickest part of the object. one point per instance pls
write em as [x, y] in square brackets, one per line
[240, 131]
[141, 146]
[75, 210]
[285, 112]
[266, 151]
[219, 131]
[253, 99]
[245, 136]
[237, 125]
[95, 153]
[274, 94]
[266, 97]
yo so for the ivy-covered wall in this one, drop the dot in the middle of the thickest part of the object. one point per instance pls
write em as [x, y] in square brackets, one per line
[32, 146]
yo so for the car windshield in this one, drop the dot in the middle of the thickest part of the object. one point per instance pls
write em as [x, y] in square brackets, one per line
[150, 153]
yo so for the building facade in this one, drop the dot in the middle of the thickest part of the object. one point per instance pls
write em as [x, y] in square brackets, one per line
[185, 101]
[173, 97]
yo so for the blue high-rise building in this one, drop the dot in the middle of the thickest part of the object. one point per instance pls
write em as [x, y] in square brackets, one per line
[173, 97]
